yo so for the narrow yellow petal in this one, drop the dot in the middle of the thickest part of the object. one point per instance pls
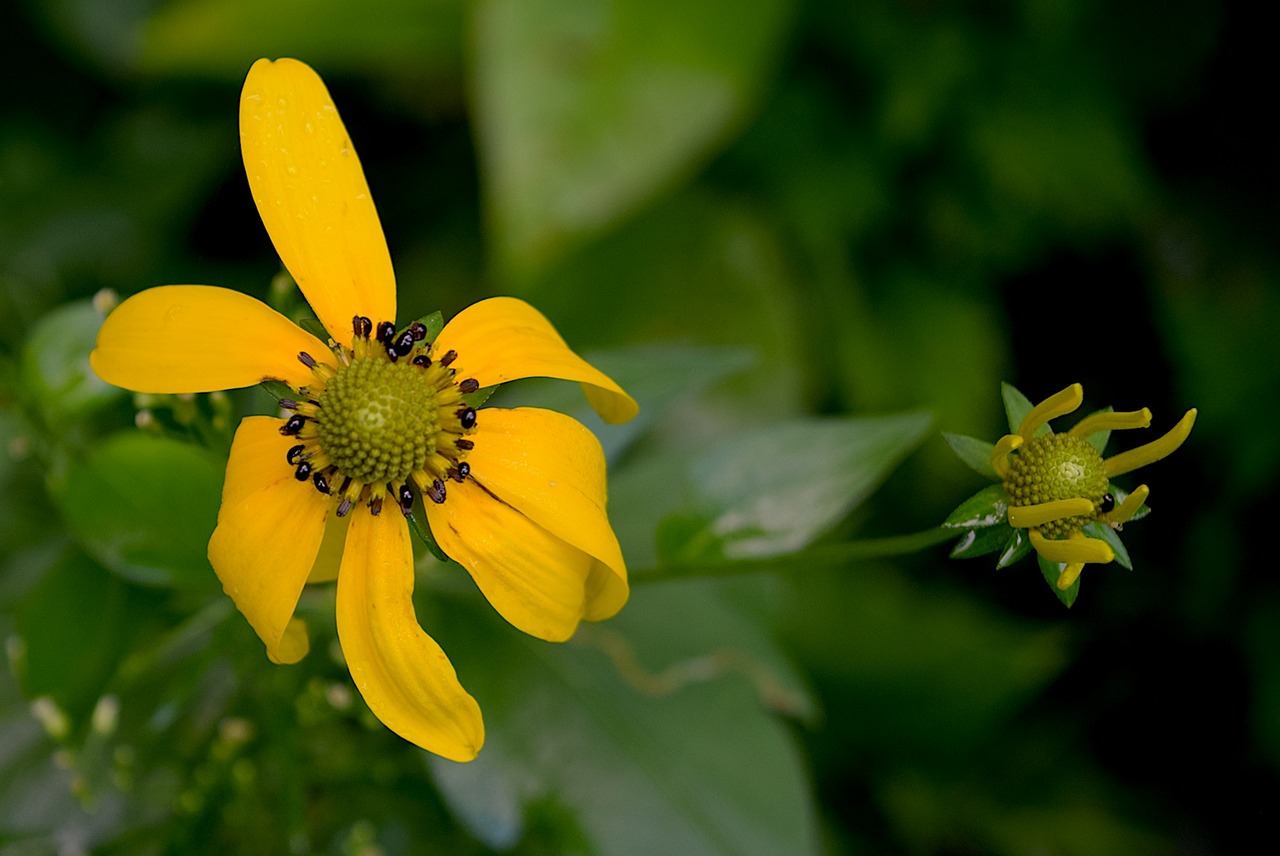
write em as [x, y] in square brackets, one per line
[1004, 447]
[1111, 422]
[1072, 550]
[198, 338]
[403, 675]
[1026, 516]
[312, 196]
[1069, 575]
[1058, 404]
[503, 338]
[551, 469]
[536, 581]
[1125, 510]
[1153, 451]
[269, 529]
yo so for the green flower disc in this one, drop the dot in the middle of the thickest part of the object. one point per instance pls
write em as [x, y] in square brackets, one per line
[1053, 467]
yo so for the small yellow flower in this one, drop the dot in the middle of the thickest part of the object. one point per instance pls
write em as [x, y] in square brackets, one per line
[1057, 484]
[516, 496]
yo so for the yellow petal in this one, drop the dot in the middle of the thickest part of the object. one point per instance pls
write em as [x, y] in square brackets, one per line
[1153, 451]
[269, 529]
[312, 196]
[1058, 404]
[197, 338]
[1072, 550]
[533, 579]
[1123, 512]
[403, 675]
[1069, 575]
[1001, 451]
[329, 559]
[503, 338]
[550, 468]
[1025, 516]
[1121, 421]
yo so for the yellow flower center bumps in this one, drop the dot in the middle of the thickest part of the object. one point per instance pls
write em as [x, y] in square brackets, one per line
[1054, 467]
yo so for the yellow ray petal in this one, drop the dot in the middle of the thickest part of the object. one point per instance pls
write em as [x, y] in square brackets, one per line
[1058, 404]
[1069, 575]
[312, 196]
[503, 338]
[536, 581]
[1025, 516]
[269, 529]
[550, 468]
[329, 559]
[1000, 453]
[1111, 422]
[1072, 550]
[1153, 451]
[1125, 510]
[403, 675]
[198, 338]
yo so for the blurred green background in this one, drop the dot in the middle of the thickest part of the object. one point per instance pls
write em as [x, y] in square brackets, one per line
[790, 229]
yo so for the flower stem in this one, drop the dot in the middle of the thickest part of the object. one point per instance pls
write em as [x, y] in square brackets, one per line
[821, 556]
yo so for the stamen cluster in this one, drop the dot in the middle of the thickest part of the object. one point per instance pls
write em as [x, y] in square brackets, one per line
[391, 413]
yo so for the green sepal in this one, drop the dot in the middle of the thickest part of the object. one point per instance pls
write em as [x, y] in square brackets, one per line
[278, 389]
[1051, 572]
[987, 507]
[1103, 532]
[434, 322]
[480, 396]
[424, 535]
[1015, 550]
[981, 540]
[974, 452]
[1016, 407]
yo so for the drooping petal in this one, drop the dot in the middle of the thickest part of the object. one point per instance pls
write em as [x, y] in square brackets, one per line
[503, 338]
[1123, 512]
[1072, 550]
[1069, 575]
[1114, 421]
[1024, 516]
[312, 196]
[1153, 451]
[269, 529]
[551, 469]
[1058, 404]
[1001, 452]
[198, 338]
[403, 675]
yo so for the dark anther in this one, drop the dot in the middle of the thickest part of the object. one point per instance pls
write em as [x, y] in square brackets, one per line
[419, 331]
[361, 326]
[448, 358]
[406, 499]
[392, 354]
[386, 332]
[467, 416]
[464, 444]
[460, 472]
[1107, 505]
[294, 454]
[288, 404]
[436, 492]
[468, 386]
[306, 359]
[422, 361]
[303, 472]
[293, 425]
[375, 506]
[344, 507]
[403, 343]
[321, 483]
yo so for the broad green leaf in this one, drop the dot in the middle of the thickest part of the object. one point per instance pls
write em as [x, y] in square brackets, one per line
[144, 506]
[777, 489]
[585, 110]
[1051, 571]
[646, 734]
[974, 452]
[987, 507]
[55, 369]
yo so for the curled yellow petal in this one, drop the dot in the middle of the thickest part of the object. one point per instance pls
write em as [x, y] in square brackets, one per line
[198, 338]
[1111, 422]
[1000, 454]
[503, 338]
[1153, 451]
[269, 530]
[1125, 510]
[1072, 550]
[1069, 575]
[405, 678]
[312, 196]
[1058, 404]
[1026, 516]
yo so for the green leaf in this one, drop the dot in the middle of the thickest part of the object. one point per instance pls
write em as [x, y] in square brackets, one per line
[1112, 537]
[1016, 407]
[987, 507]
[144, 506]
[55, 372]
[980, 541]
[1051, 571]
[974, 452]
[434, 322]
[775, 490]
[585, 110]
[650, 731]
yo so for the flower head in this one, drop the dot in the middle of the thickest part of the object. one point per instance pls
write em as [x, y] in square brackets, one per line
[1055, 493]
[377, 415]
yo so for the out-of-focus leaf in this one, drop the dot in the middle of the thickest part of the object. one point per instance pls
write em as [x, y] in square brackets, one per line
[584, 110]
[987, 507]
[646, 734]
[974, 452]
[1051, 571]
[144, 507]
[55, 365]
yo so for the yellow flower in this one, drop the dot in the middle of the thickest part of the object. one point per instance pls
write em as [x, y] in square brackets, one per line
[517, 497]
[1057, 484]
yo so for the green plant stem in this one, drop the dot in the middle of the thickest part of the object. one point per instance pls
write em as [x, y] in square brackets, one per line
[821, 556]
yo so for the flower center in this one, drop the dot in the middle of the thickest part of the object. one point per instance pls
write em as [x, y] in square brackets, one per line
[392, 413]
[1054, 467]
